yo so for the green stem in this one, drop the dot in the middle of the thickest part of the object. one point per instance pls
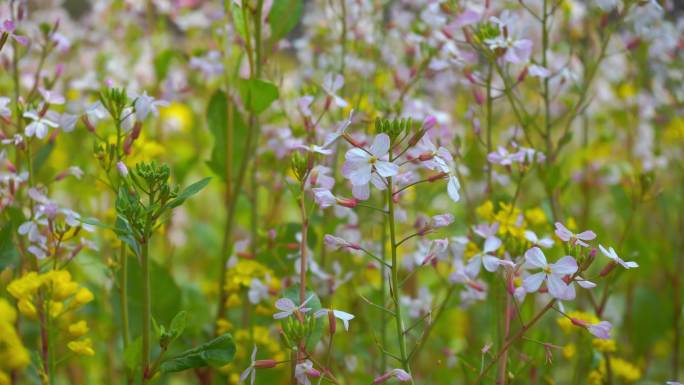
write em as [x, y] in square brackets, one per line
[401, 340]
[147, 304]
[489, 128]
[123, 283]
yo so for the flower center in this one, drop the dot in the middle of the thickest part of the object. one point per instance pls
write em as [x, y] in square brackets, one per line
[547, 269]
[372, 160]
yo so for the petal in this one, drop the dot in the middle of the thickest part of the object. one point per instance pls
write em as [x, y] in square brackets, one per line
[380, 146]
[490, 263]
[565, 265]
[586, 235]
[361, 192]
[535, 258]
[356, 155]
[386, 169]
[452, 189]
[630, 265]
[491, 244]
[473, 267]
[532, 282]
[285, 304]
[558, 288]
[563, 232]
[282, 315]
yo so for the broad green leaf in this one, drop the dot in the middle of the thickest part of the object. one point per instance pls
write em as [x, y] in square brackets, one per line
[42, 156]
[219, 114]
[217, 352]
[257, 95]
[238, 20]
[162, 62]
[188, 192]
[284, 17]
[8, 253]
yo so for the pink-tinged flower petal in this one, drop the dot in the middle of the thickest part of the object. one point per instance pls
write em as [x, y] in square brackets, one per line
[356, 155]
[380, 146]
[630, 265]
[453, 188]
[442, 220]
[562, 232]
[285, 304]
[473, 267]
[490, 263]
[361, 192]
[386, 169]
[21, 39]
[535, 258]
[586, 235]
[565, 265]
[558, 288]
[533, 282]
[491, 244]
[601, 329]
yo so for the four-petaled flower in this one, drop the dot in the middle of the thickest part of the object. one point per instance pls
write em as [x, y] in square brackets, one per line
[568, 236]
[610, 253]
[341, 315]
[251, 369]
[360, 164]
[39, 126]
[552, 273]
[288, 307]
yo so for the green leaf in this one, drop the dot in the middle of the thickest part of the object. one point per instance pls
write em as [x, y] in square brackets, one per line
[219, 113]
[217, 352]
[284, 17]
[8, 253]
[188, 192]
[162, 62]
[257, 94]
[178, 324]
[42, 156]
[238, 20]
[132, 354]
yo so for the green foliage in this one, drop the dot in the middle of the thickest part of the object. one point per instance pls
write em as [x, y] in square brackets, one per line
[218, 120]
[215, 353]
[284, 17]
[257, 95]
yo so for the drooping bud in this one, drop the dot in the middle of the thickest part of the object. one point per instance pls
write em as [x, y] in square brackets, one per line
[607, 269]
[265, 364]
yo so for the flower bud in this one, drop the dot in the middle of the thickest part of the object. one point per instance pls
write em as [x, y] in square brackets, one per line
[265, 364]
[607, 269]
[347, 202]
[123, 170]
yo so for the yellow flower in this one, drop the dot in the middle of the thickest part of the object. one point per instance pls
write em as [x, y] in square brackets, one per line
[13, 354]
[569, 350]
[223, 325]
[26, 308]
[510, 220]
[595, 378]
[26, 286]
[62, 285]
[55, 308]
[78, 329]
[624, 369]
[535, 216]
[83, 296]
[82, 347]
[486, 211]
[176, 116]
[602, 345]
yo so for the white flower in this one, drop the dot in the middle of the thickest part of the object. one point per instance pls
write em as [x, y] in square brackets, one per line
[4, 111]
[453, 188]
[551, 273]
[288, 307]
[251, 370]
[40, 125]
[359, 164]
[517, 51]
[441, 220]
[323, 197]
[303, 370]
[144, 104]
[532, 237]
[538, 71]
[343, 316]
[610, 253]
[257, 291]
[51, 97]
[431, 157]
[331, 84]
[332, 137]
[568, 236]
[486, 258]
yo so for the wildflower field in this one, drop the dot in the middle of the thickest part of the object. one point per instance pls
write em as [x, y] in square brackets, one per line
[341, 192]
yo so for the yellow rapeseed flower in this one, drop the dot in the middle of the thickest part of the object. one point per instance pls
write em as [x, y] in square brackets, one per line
[78, 329]
[82, 347]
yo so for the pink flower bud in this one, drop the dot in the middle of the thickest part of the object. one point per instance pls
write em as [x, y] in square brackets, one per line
[265, 364]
